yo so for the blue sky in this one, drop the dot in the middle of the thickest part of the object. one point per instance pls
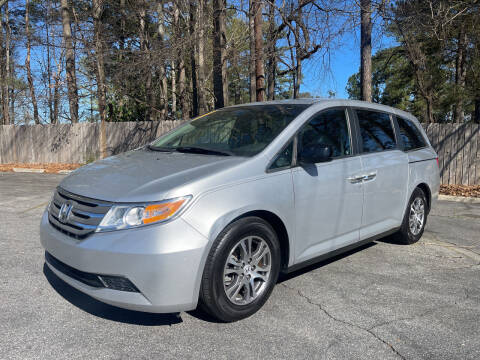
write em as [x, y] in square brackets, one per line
[344, 61]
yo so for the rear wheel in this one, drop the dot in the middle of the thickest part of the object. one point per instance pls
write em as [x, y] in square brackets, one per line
[241, 270]
[415, 218]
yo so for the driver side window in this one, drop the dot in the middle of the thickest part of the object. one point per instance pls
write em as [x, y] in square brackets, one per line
[328, 128]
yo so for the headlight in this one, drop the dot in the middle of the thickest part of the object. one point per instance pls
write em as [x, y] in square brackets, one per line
[50, 203]
[135, 215]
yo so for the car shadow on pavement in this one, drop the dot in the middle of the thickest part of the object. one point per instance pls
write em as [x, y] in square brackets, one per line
[391, 239]
[105, 311]
[287, 276]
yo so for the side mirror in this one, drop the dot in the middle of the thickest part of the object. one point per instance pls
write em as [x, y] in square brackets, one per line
[315, 153]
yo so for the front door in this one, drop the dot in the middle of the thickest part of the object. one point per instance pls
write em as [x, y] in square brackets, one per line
[328, 195]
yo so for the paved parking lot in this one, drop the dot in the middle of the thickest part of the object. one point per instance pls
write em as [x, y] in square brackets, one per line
[384, 301]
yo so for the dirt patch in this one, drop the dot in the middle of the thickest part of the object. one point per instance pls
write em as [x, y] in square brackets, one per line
[460, 190]
[49, 168]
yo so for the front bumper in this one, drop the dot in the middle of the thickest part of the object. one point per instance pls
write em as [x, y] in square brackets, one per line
[164, 262]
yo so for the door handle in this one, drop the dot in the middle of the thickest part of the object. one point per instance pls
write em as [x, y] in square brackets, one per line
[370, 176]
[355, 179]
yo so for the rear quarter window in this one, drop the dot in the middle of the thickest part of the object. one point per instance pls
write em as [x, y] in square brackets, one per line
[411, 136]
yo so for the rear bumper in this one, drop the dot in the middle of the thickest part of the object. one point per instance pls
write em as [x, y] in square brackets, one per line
[164, 262]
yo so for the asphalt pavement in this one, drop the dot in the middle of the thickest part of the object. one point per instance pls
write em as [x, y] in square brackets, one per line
[383, 301]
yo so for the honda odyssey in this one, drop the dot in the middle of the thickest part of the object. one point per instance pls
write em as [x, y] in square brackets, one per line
[210, 213]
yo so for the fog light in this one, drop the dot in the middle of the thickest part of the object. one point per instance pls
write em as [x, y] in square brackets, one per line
[117, 283]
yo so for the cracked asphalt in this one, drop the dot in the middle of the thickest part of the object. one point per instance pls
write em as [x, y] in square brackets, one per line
[384, 301]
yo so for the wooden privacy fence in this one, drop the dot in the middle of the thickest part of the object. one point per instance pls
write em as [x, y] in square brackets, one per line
[458, 148]
[458, 145]
[74, 143]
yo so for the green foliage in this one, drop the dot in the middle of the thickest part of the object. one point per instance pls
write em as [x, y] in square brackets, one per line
[392, 80]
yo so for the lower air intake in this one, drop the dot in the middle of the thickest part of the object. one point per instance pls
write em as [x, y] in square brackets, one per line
[94, 280]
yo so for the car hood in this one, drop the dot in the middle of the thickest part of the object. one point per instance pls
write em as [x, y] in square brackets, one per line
[143, 175]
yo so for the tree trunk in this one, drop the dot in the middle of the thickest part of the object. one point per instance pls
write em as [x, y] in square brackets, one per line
[182, 82]
[71, 76]
[251, 28]
[123, 20]
[460, 76]
[173, 75]
[6, 80]
[31, 86]
[56, 97]
[161, 68]
[2, 69]
[101, 90]
[298, 73]
[49, 66]
[430, 117]
[271, 53]
[476, 111]
[57, 83]
[12, 91]
[298, 56]
[193, 62]
[202, 103]
[259, 70]
[145, 50]
[220, 90]
[293, 62]
[182, 87]
[366, 50]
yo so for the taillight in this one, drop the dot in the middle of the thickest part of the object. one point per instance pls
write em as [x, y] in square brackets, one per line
[438, 164]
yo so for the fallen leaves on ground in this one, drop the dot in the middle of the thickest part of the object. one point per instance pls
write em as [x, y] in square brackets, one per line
[460, 190]
[52, 168]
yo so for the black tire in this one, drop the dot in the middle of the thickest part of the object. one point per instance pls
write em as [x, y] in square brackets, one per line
[405, 235]
[213, 297]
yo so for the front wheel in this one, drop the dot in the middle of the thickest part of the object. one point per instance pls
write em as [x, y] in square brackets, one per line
[415, 219]
[241, 270]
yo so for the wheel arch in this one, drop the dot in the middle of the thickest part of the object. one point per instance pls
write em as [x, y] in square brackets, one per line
[428, 193]
[279, 227]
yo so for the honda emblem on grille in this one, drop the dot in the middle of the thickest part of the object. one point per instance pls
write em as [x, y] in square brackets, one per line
[65, 211]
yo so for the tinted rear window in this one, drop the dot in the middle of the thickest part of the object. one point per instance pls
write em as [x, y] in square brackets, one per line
[409, 133]
[376, 131]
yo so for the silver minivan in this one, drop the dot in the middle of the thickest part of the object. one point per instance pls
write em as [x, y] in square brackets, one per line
[210, 213]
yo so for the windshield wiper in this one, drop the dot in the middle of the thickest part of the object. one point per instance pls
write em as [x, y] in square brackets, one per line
[201, 150]
[159, 148]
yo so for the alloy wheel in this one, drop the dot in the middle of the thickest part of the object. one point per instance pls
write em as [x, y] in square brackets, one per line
[416, 216]
[247, 270]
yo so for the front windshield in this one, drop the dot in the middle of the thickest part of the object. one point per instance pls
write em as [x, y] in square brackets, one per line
[239, 131]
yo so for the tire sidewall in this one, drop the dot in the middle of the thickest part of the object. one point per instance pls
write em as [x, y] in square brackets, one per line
[411, 237]
[224, 308]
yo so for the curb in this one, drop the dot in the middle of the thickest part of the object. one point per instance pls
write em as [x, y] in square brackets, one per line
[464, 199]
[28, 170]
[37, 171]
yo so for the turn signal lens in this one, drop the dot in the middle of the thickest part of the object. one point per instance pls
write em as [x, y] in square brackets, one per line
[160, 212]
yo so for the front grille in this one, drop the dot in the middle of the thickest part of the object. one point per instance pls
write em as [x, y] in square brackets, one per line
[119, 283]
[83, 218]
